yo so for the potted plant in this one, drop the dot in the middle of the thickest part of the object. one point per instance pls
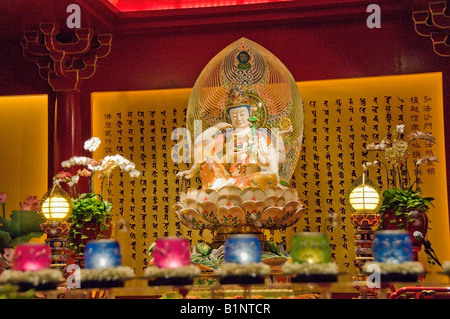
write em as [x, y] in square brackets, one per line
[403, 205]
[22, 226]
[91, 213]
[404, 209]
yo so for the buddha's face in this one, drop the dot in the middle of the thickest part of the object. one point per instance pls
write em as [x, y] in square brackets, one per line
[239, 117]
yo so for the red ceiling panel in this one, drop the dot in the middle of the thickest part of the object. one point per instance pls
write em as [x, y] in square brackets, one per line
[148, 5]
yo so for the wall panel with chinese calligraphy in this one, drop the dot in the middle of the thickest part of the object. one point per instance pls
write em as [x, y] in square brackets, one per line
[341, 117]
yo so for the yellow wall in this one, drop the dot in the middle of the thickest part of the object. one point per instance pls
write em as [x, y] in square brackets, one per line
[138, 125]
[414, 100]
[23, 148]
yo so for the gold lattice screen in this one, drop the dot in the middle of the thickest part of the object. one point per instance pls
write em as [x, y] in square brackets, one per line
[340, 117]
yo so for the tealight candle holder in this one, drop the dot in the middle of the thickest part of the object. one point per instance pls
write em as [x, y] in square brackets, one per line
[103, 253]
[310, 247]
[32, 257]
[242, 249]
[392, 246]
[172, 252]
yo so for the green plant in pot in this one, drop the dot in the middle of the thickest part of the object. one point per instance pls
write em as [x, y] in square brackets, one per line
[21, 226]
[406, 205]
[91, 216]
[90, 219]
[403, 207]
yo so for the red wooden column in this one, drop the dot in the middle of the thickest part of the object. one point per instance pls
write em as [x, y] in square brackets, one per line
[64, 60]
[67, 134]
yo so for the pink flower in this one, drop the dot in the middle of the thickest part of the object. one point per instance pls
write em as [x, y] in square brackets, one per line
[63, 176]
[31, 203]
[84, 172]
[3, 198]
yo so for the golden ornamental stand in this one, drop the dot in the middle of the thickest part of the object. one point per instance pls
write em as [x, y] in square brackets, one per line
[364, 199]
[365, 224]
[57, 232]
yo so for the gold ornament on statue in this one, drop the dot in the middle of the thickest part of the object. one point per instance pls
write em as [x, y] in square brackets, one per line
[236, 97]
[285, 123]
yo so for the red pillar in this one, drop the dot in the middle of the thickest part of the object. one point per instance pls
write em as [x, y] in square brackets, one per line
[67, 131]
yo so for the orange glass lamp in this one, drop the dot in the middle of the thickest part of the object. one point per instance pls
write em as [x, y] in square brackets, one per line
[56, 206]
[364, 200]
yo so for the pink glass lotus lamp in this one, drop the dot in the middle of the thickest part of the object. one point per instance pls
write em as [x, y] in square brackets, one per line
[32, 257]
[172, 252]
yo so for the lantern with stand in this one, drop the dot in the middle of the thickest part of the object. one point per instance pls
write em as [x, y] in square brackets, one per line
[364, 201]
[56, 207]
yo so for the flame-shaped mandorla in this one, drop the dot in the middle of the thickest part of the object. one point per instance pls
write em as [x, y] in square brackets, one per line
[269, 85]
[248, 109]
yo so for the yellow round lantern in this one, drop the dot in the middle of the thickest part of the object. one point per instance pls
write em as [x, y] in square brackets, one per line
[55, 204]
[364, 196]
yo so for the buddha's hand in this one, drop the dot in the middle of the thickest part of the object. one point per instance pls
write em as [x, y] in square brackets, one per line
[188, 174]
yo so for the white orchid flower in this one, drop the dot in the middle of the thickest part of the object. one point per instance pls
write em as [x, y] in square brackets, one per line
[76, 160]
[426, 159]
[135, 173]
[92, 144]
[400, 128]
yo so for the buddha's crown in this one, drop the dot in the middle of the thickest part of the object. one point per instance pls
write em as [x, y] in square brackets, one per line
[236, 97]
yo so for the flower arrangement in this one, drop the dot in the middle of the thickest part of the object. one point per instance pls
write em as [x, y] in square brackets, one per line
[109, 274]
[103, 167]
[403, 196]
[404, 268]
[91, 209]
[293, 268]
[21, 226]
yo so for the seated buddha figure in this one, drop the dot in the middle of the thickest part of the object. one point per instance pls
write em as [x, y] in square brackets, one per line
[237, 153]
